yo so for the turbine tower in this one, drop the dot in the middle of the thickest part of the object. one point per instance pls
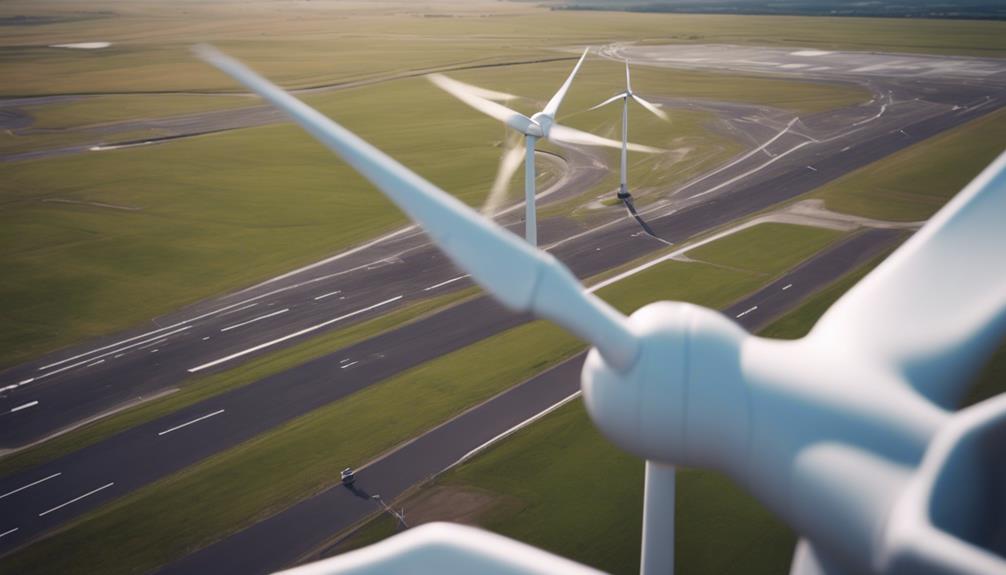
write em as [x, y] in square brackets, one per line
[540, 125]
[849, 434]
[623, 189]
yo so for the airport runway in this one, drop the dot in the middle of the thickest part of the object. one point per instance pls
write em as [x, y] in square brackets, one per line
[795, 156]
[281, 540]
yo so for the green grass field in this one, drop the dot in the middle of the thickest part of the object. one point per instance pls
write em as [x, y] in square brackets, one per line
[281, 466]
[912, 184]
[206, 215]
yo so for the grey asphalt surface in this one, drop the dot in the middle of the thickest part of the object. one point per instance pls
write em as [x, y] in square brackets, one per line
[815, 150]
[281, 540]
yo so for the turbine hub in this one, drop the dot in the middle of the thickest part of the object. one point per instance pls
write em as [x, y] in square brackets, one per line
[544, 121]
[684, 391]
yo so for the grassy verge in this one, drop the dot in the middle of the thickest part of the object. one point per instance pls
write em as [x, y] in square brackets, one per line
[766, 248]
[914, 183]
[92, 110]
[155, 228]
[281, 466]
[199, 388]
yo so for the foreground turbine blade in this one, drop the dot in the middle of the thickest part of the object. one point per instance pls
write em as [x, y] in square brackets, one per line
[628, 80]
[574, 136]
[471, 95]
[936, 308]
[608, 101]
[521, 277]
[553, 105]
[512, 158]
[651, 107]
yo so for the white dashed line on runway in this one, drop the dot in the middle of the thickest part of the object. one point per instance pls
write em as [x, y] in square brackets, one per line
[442, 284]
[747, 311]
[76, 499]
[325, 295]
[188, 423]
[24, 406]
[33, 483]
[255, 319]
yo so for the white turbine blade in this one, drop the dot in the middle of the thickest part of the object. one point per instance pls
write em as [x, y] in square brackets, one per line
[521, 277]
[488, 94]
[608, 101]
[628, 82]
[573, 136]
[471, 95]
[512, 158]
[651, 107]
[936, 308]
[553, 105]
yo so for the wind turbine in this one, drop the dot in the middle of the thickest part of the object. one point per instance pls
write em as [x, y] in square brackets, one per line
[848, 434]
[623, 190]
[540, 125]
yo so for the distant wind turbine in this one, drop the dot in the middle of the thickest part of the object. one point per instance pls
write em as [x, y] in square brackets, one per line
[540, 125]
[623, 190]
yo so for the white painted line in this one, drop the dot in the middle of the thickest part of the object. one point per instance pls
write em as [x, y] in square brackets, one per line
[442, 284]
[26, 381]
[118, 355]
[99, 362]
[33, 483]
[260, 346]
[812, 168]
[206, 338]
[744, 157]
[344, 360]
[517, 427]
[847, 148]
[348, 365]
[9, 531]
[255, 319]
[747, 311]
[153, 351]
[188, 423]
[76, 499]
[24, 406]
[786, 287]
[325, 295]
[79, 363]
[751, 171]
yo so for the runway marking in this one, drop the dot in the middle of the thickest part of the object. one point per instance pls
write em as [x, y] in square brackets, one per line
[883, 109]
[255, 319]
[206, 338]
[9, 531]
[745, 312]
[348, 365]
[442, 284]
[260, 346]
[812, 168]
[149, 333]
[515, 428]
[99, 362]
[24, 406]
[786, 287]
[76, 499]
[118, 355]
[344, 360]
[846, 149]
[744, 157]
[79, 363]
[153, 351]
[188, 423]
[325, 295]
[33, 483]
[752, 170]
